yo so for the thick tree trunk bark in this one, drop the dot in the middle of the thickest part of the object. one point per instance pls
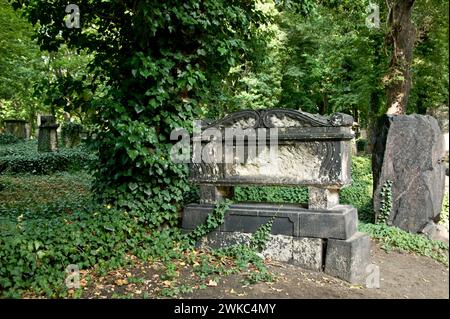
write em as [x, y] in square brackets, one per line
[401, 37]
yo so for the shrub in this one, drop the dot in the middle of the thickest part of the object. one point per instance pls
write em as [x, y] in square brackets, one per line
[8, 138]
[359, 193]
[26, 159]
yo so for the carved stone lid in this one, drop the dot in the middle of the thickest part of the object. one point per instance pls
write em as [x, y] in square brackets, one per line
[292, 124]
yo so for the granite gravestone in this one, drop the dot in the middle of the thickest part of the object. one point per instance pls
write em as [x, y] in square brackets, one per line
[48, 136]
[282, 148]
[409, 153]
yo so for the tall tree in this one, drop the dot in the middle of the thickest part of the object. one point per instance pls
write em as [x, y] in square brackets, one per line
[158, 59]
[401, 37]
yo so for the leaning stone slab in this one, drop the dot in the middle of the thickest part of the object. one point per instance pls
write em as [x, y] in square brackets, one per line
[291, 220]
[409, 152]
[303, 252]
[348, 259]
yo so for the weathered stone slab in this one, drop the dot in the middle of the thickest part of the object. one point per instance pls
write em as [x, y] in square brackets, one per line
[298, 163]
[308, 253]
[304, 252]
[348, 259]
[48, 136]
[409, 153]
[309, 150]
[17, 128]
[290, 220]
[322, 198]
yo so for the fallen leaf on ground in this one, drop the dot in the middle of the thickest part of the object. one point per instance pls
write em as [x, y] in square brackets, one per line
[121, 282]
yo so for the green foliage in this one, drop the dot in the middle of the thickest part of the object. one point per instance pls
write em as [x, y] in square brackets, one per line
[244, 255]
[24, 158]
[159, 59]
[359, 193]
[259, 239]
[71, 130]
[8, 138]
[43, 196]
[395, 238]
[213, 221]
[35, 252]
[21, 65]
[386, 203]
[345, 80]
[444, 211]
[46, 224]
[271, 194]
[430, 63]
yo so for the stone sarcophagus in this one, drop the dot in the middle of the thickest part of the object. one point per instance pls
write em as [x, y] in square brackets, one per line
[281, 148]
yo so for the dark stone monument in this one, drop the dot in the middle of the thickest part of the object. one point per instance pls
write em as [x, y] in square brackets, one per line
[310, 150]
[48, 136]
[441, 114]
[17, 128]
[408, 152]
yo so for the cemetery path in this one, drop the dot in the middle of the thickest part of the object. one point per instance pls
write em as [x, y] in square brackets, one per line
[402, 275]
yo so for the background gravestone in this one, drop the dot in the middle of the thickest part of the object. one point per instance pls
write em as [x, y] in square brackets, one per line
[17, 128]
[48, 137]
[408, 151]
[71, 134]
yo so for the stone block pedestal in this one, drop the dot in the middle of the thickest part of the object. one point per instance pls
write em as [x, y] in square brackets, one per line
[323, 239]
[348, 259]
[300, 251]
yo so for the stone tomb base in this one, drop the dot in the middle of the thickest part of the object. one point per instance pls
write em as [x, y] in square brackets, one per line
[320, 240]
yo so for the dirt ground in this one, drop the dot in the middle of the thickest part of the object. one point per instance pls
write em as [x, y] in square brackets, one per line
[402, 276]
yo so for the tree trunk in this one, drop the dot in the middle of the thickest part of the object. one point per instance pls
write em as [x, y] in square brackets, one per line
[401, 37]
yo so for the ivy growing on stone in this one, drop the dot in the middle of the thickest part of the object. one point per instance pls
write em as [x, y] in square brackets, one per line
[386, 203]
